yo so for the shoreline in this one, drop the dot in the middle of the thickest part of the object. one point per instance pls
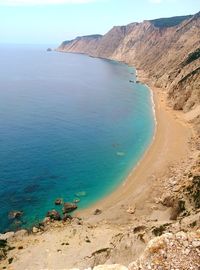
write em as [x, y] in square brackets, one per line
[129, 193]
[131, 206]
[125, 189]
[140, 161]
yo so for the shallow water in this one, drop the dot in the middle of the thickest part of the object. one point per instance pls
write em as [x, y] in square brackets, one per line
[71, 126]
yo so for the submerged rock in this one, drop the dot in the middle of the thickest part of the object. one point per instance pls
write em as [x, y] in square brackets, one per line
[77, 200]
[69, 207]
[15, 214]
[120, 154]
[58, 201]
[81, 194]
[53, 214]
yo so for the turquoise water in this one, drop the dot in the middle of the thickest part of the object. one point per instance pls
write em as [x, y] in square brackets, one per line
[69, 123]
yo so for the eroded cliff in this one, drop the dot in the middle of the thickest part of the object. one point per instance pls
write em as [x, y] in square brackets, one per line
[168, 50]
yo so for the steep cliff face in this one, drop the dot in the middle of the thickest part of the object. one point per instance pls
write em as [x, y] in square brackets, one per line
[85, 44]
[168, 50]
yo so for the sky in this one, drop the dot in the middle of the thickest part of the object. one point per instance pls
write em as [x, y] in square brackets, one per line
[52, 21]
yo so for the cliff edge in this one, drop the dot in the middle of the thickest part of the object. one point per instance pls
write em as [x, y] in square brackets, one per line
[167, 49]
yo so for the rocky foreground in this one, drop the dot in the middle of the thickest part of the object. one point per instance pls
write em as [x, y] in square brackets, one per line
[165, 236]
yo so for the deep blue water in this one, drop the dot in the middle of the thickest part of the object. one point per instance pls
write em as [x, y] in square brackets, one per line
[69, 123]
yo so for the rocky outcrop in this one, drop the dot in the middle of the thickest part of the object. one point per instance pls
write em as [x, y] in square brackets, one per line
[167, 49]
[81, 44]
[53, 214]
[169, 251]
[69, 207]
[15, 214]
[58, 201]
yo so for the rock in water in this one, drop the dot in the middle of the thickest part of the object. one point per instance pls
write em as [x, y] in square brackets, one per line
[58, 201]
[81, 194]
[15, 214]
[53, 214]
[77, 200]
[69, 207]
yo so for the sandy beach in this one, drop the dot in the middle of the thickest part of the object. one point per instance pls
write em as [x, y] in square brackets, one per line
[169, 146]
[132, 204]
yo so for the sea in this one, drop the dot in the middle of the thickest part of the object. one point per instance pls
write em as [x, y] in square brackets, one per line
[71, 127]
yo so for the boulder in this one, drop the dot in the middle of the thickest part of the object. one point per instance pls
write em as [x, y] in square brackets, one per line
[21, 233]
[77, 200]
[53, 214]
[58, 201]
[67, 217]
[6, 236]
[2, 254]
[69, 207]
[35, 230]
[46, 220]
[168, 201]
[15, 214]
[97, 212]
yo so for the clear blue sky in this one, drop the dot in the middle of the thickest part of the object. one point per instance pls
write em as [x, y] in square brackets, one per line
[52, 21]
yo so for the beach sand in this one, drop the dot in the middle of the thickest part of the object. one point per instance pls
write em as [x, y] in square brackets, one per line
[131, 204]
[169, 146]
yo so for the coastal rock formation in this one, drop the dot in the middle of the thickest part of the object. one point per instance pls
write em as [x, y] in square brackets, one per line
[167, 49]
[169, 251]
[58, 201]
[15, 214]
[53, 214]
[69, 207]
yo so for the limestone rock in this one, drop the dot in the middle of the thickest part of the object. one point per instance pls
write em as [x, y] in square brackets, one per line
[35, 230]
[21, 233]
[7, 235]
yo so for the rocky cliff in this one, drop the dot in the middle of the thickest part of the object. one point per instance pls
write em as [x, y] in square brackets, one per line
[167, 49]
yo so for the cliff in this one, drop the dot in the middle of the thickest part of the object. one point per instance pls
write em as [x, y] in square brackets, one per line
[167, 49]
